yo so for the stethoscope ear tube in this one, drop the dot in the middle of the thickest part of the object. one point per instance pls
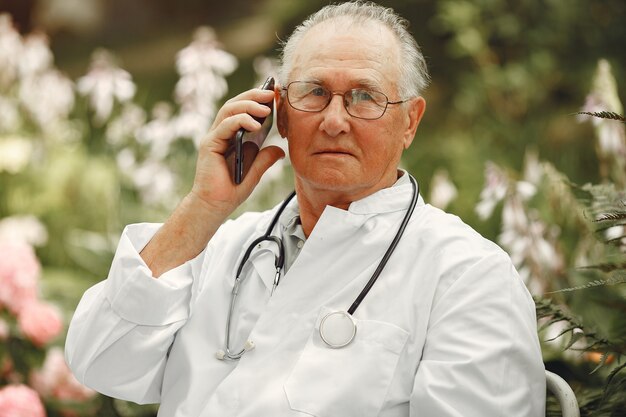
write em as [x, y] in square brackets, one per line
[390, 250]
[279, 261]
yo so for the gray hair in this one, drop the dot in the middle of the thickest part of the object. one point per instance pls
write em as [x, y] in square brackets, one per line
[413, 72]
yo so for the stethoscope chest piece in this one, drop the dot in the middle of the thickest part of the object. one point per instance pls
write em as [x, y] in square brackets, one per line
[337, 329]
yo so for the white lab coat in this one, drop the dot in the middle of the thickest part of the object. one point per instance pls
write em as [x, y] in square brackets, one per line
[447, 330]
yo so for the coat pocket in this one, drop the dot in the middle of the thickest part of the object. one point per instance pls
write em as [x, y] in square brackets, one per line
[349, 381]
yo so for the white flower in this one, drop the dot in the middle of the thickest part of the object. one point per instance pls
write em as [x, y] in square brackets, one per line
[204, 55]
[496, 186]
[24, 228]
[611, 137]
[153, 179]
[614, 232]
[126, 160]
[48, 96]
[533, 170]
[202, 66]
[159, 133]
[529, 242]
[198, 92]
[513, 215]
[485, 208]
[265, 67]
[542, 251]
[36, 56]
[10, 119]
[191, 125]
[525, 190]
[15, 153]
[156, 183]
[10, 50]
[442, 190]
[604, 97]
[126, 125]
[605, 87]
[104, 84]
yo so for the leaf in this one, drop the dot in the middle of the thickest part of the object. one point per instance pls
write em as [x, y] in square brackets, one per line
[601, 363]
[614, 372]
[551, 322]
[576, 336]
[606, 267]
[569, 329]
[616, 241]
[605, 115]
[616, 215]
[597, 283]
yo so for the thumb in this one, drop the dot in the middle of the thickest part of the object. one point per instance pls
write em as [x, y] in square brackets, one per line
[265, 159]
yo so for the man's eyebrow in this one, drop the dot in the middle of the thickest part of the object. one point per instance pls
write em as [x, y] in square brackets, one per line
[312, 80]
[366, 83]
[358, 83]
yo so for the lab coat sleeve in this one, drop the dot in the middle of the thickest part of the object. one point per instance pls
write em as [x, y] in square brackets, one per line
[482, 355]
[123, 327]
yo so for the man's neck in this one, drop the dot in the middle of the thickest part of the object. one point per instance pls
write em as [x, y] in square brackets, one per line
[313, 201]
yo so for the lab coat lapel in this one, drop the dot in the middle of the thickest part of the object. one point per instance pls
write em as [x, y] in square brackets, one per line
[343, 250]
[335, 239]
[333, 256]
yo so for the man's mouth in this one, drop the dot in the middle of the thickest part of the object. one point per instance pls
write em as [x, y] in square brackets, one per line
[333, 152]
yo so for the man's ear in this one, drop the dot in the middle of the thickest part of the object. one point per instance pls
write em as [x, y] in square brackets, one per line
[281, 112]
[416, 109]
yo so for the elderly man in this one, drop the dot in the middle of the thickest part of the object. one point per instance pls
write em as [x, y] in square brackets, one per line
[385, 306]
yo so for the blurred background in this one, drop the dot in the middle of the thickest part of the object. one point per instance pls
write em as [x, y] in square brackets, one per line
[102, 104]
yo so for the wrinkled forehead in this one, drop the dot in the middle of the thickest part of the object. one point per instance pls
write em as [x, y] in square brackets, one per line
[341, 48]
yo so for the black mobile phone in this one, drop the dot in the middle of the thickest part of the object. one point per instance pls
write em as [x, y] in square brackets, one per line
[245, 146]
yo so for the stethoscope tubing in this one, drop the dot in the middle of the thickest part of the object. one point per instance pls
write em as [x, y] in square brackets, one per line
[390, 249]
[279, 262]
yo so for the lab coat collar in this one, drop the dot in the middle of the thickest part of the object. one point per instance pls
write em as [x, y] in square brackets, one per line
[387, 200]
[333, 221]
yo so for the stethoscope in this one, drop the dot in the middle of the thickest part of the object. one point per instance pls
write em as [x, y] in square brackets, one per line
[337, 328]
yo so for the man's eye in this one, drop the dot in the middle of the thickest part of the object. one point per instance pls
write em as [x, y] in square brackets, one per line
[318, 92]
[362, 95]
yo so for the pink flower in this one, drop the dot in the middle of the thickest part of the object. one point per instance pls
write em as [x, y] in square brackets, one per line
[20, 401]
[19, 271]
[54, 379]
[40, 322]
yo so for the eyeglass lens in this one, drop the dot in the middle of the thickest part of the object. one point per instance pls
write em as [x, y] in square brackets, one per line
[358, 102]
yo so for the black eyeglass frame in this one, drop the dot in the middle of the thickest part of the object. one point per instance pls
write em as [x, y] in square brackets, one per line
[343, 95]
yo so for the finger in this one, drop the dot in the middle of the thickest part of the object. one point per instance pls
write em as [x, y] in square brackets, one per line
[219, 137]
[254, 94]
[233, 108]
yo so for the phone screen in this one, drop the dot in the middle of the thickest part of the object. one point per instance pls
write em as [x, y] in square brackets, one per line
[245, 146]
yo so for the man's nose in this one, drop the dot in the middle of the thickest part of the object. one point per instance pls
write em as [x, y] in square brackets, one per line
[336, 118]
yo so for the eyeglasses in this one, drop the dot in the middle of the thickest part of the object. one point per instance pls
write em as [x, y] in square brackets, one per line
[361, 103]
